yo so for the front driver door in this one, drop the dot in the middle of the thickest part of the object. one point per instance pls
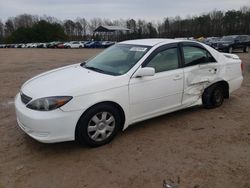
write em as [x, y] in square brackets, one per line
[153, 95]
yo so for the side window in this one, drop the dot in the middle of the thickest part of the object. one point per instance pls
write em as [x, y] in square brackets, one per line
[243, 38]
[195, 55]
[165, 60]
[239, 39]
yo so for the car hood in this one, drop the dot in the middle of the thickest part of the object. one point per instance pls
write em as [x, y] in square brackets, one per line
[73, 80]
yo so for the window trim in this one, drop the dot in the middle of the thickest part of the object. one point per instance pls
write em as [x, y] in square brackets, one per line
[163, 48]
[196, 45]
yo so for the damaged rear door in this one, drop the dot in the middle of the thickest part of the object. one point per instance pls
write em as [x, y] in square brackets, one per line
[200, 70]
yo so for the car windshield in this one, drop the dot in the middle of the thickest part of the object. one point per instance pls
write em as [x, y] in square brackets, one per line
[228, 38]
[118, 59]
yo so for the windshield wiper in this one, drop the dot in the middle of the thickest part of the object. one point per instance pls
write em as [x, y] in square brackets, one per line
[95, 69]
[83, 64]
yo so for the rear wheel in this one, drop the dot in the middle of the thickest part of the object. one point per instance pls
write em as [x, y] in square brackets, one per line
[213, 96]
[246, 49]
[217, 96]
[98, 126]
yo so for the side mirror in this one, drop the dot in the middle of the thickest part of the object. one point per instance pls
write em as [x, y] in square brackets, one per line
[145, 71]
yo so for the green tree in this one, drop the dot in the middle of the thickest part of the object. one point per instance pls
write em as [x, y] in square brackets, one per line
[42, 31]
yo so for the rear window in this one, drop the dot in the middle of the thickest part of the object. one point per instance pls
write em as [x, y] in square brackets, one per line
[195, 55]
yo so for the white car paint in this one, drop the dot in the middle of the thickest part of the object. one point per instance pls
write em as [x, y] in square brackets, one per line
[140, 98]
[74, 44]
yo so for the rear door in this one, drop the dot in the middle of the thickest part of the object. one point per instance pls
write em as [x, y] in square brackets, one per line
[200, 70]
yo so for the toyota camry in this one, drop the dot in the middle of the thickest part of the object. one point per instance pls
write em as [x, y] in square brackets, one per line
[131, 81]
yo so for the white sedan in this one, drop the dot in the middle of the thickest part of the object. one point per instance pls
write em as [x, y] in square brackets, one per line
[129, 82]
[73, 44]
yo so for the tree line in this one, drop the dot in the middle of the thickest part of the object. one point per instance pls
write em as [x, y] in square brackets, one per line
[30, 28]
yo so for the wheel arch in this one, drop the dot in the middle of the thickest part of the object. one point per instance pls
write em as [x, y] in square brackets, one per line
[225, 86]
[114, 104]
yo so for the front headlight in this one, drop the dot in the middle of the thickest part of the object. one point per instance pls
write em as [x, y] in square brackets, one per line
[49, 103]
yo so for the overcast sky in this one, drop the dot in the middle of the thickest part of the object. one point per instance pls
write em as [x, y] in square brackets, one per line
[115, 9]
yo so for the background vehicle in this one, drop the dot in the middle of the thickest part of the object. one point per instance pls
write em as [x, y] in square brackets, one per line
[41, 45]
[53, 44]
[129, 82]
[2, 45]
[61, 45]
[93, 44]
[106, 44]
[211, 40]
[232, 42]
[9, 45]
[31, 45]
[73, 44]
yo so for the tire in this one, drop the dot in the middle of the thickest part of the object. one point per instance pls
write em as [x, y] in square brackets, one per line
[230, 50]
[213, 96]
[246, 49]
[98, 125]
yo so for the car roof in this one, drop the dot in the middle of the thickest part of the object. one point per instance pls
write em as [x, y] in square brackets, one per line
[151, 42]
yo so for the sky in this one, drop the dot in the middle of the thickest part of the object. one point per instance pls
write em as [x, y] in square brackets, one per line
[152, 10]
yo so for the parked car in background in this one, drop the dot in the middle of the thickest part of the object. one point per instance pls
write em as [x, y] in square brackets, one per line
[106, 44]
[211, 40]
[21, 45]
[93, 44]
[61, 45]
[9, 45]
[232, 42]
[74, 44]
[41, 45]
[129, 82]
[31, 45]
[53, 44]
[2, 45]
[86, 42]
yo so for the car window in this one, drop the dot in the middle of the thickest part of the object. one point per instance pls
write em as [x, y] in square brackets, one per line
[243, 38]
[195, 55]
[165, 60]
[118, 59]
[119, 55]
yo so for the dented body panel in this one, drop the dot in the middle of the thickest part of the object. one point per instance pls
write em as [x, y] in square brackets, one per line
[226, 67]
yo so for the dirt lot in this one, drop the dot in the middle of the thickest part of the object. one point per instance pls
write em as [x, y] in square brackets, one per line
[193, 148]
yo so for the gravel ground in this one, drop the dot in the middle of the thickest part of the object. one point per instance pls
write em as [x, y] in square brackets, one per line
[190, 148]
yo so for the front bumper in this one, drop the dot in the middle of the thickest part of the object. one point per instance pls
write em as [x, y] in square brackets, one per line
[47, 127]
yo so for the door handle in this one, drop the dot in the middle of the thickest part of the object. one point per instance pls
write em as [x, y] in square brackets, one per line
[214, 70]
[177, 77]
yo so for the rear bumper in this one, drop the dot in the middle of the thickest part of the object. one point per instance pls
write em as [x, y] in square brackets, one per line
[46, 127]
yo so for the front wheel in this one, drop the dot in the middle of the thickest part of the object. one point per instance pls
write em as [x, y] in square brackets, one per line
[98, 126]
